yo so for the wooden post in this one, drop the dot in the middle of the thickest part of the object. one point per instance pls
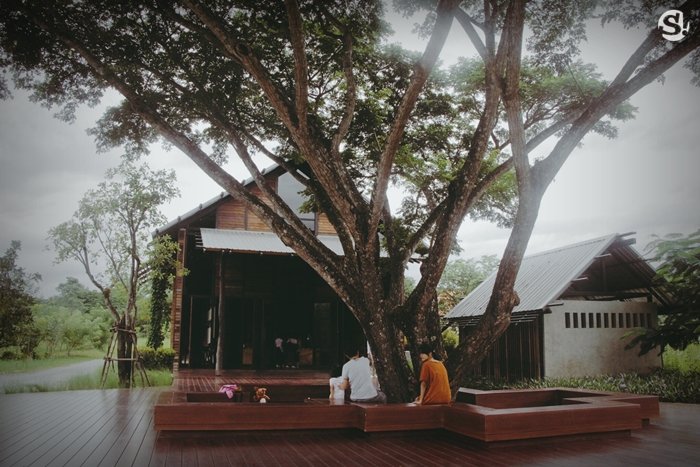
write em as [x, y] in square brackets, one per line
[220, 340]
[176, 310]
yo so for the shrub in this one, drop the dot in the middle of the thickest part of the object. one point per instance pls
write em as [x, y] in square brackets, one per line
[669, 385]
[685, 361]
[11, 354]
[450, 339]
[160, 358]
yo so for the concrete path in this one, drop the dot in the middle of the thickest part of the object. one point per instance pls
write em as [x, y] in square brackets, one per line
[50, 377]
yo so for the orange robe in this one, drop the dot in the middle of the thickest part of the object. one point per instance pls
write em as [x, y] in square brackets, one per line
[434, 374]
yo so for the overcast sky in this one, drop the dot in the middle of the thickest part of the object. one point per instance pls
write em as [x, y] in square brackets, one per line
[645, 181]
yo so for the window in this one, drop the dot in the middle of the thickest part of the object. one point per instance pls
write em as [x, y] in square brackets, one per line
[598, 323]
[606, 320]
[613, 320]
[635, 317]
[290, 190]
[583, 320]
[575, 320]
[567, 320]
[590, 320]
[628, 321]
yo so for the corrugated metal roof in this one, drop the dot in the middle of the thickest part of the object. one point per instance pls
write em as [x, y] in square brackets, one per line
[542, 278]
[247, 241]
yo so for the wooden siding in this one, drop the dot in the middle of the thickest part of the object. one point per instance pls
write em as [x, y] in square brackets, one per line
[230, 214]
[323, 225]
[234, 214]
[516, 355]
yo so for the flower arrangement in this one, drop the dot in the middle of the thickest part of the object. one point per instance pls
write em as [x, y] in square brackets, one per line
[230, 389]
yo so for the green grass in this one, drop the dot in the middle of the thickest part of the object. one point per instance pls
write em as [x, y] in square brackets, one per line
[60, 359]
[685, 361]
[92, 381]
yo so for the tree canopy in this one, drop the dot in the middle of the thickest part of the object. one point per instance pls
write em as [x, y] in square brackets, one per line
[314, 87]
[679, 274]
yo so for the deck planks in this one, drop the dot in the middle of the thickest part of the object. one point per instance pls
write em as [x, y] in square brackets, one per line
[115, 427]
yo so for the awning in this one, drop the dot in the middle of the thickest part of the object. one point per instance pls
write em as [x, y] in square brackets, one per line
[247, 241]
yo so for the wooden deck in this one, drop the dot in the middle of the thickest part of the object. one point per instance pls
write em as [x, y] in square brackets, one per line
[115, 427]
[206, 381]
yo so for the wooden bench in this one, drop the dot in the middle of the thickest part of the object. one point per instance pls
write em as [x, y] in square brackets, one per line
[401, 417]
[487, 416]
[541, 413]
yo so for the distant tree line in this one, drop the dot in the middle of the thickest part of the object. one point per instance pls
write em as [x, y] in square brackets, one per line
[73, 319]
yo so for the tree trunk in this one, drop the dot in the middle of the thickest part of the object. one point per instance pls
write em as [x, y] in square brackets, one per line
[496, 318]
[124, 353]
[385, 340]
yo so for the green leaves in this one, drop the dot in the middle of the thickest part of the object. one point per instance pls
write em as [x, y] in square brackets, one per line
[460, 277]
[679, 275]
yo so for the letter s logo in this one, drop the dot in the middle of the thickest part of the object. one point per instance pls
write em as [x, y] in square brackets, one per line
[672, 26]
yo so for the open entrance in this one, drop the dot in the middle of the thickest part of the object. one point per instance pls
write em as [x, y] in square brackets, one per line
[271, 334]
[277, 314]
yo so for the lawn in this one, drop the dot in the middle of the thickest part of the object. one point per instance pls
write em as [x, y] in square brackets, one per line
[59, 359]
[686, 361]
[162, 377]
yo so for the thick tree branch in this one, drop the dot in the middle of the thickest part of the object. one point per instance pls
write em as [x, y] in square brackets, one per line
[301, 68]
[468, 25]
[244, 55]
[445, 12]
[350, 95]
[515, 22]
[459, 199]
[328, 170]
[313, 253]
[613, 96]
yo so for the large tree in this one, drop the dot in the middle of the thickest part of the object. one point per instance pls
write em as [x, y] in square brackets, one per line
[310, 85]
[109, 236]
[17, 289]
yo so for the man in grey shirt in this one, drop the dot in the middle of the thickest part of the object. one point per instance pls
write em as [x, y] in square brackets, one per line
[357, 376]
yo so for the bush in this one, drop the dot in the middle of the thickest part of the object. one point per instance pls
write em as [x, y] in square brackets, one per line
[450, 339]
[10, 354]
[685, 361]
[669, 385]
[160, 358]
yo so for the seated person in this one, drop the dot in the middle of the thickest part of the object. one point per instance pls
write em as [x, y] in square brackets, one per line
[278, 353]
[434, 383]
[337, 393]
[291, 353]
[357, 376]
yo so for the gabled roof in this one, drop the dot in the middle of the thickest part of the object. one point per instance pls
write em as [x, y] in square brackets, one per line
[601, 268]
[204, 207]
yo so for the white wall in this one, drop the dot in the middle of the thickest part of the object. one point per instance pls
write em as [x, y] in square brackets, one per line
[588, 351]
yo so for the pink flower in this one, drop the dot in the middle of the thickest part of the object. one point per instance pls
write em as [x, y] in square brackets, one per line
[229, 389]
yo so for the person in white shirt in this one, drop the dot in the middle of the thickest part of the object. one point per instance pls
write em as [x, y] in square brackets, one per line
[337, 393]
[357, 376]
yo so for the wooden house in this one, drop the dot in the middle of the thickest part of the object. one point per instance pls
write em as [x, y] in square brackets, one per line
[269, 297]
[577, 307]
